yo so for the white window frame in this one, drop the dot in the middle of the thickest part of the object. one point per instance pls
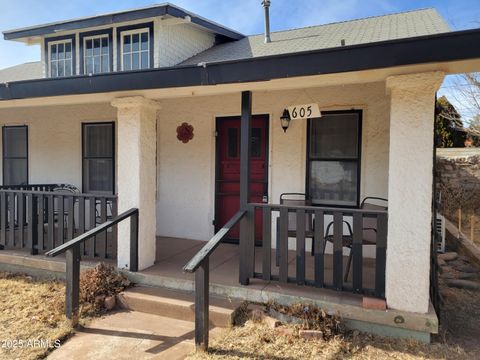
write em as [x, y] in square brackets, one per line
[133, 32]
[87, 38]
[49, 56]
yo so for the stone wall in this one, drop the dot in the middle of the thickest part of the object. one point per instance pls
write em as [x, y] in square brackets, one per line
[458, 179]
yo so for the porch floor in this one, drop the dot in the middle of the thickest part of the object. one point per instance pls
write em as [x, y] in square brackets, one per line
[173, 253]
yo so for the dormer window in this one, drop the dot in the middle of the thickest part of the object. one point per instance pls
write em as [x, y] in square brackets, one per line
[96, 54]
[136, 49]
[60, 58]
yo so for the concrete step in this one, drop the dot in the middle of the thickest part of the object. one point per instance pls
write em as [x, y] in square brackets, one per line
[176, 304]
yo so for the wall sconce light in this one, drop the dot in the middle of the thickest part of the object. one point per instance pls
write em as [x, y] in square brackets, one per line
[285, 120]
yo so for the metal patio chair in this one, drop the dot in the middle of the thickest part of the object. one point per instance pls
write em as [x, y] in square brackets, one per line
[369, 228]
[294, 199]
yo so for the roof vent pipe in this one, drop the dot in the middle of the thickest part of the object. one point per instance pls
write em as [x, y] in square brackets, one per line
[266, 6]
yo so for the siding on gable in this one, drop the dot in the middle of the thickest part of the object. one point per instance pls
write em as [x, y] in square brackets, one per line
[177, 43]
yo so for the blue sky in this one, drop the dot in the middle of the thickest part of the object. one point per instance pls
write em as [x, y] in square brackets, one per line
[245, 16]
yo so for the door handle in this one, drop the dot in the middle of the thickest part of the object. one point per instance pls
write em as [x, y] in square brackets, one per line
[265, 199]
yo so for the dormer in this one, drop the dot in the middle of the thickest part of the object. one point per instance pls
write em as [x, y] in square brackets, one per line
[152, 37]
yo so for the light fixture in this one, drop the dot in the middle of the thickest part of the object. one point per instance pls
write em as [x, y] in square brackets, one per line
[285, 120]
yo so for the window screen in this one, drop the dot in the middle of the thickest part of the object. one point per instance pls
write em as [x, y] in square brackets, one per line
[98, 158]
[334, 159]
[15, 155]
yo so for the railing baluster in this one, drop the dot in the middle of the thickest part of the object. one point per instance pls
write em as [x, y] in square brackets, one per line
[102, 241]
[4, 218]
[356, 255]
[319, 248]
[114, 232]
[70, 217]
[32, 224]
[81, 222]
[51, 221]
[283, 271]
[41, 222]
[267, 244]
[381, 253]
[93, 219]
[134, 242]
[11, 222]
[337, 250]
[61, 219]
[21, 220]
[300, 230]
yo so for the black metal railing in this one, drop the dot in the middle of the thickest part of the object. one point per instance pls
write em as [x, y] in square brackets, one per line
[72, 249]
[42, 220]
[343, 228]
[199, 265]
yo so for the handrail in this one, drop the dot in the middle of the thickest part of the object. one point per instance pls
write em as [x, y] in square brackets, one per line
[199, 265]
[58, 193]
[72, 249]
[213, 243]
[91, 233]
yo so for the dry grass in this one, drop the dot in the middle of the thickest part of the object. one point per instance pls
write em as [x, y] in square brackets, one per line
[30, 310]
[459, 339]
[259, 341]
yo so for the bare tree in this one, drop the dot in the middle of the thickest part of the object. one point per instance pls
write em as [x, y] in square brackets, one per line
[465, 90]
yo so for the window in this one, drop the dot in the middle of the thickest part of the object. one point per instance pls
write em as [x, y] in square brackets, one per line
[136, 49]
[15, 155]
[96, 54]
[98, 157]
[334, 158]
[60, 58]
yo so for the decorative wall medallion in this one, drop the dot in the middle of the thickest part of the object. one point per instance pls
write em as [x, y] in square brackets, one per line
[185, 132]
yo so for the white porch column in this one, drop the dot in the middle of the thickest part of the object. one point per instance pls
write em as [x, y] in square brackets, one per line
[136, 175]
[410, 181]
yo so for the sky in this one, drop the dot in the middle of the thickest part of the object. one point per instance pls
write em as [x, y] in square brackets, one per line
[245, 16]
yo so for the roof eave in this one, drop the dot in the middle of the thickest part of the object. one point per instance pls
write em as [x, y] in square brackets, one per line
[108, 19]
[453, 46]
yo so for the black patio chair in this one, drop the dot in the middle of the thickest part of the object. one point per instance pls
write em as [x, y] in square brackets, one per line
[369, 228]
[294, 199]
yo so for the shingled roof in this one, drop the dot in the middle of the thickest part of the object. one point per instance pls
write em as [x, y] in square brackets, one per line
[27, 71]
[354, 32]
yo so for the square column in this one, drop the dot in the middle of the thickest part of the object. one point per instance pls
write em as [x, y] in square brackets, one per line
[410, 181]
[136, 175]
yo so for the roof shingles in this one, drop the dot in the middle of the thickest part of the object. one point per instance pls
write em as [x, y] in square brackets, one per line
[354, 32]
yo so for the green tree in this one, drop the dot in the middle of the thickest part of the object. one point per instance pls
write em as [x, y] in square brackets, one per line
[447, 131]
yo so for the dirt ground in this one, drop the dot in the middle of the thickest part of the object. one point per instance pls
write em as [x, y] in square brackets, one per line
[459, 338]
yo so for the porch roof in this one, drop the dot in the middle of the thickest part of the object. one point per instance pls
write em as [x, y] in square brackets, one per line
[447, 48]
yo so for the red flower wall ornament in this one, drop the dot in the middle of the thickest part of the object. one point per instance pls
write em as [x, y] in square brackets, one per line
[185, 132]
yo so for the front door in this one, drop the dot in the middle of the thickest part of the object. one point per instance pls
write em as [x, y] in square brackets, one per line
[227, 187]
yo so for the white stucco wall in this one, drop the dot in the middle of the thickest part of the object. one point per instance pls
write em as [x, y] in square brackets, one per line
[54, 135]
[186, 172]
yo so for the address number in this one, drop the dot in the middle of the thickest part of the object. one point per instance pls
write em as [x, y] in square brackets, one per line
[304, 111]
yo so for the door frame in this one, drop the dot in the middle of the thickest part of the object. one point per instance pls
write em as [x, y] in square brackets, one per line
[217, 169]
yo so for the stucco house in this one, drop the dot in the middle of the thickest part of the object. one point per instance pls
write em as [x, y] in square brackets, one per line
[202, 129]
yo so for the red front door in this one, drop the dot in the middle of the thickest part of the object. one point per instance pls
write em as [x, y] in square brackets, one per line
[227, 196]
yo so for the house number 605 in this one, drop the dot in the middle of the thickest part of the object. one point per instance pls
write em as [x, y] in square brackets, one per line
[304, 111]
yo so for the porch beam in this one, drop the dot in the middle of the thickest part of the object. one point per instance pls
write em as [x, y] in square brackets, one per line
[410, 178]
[247, 238]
